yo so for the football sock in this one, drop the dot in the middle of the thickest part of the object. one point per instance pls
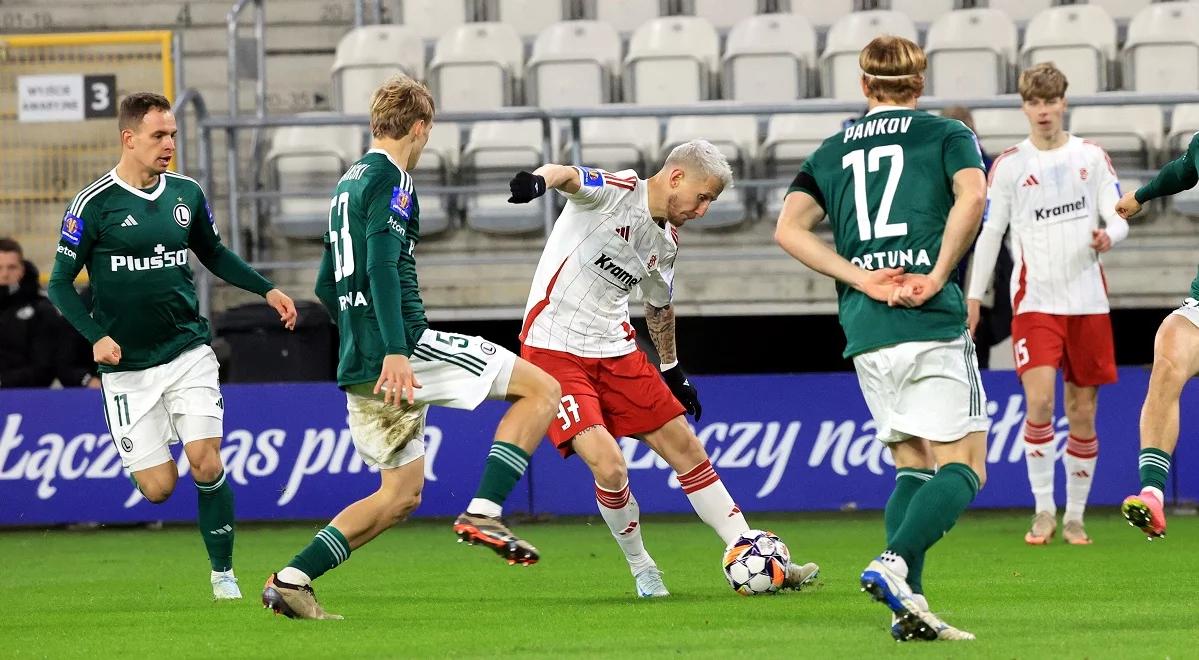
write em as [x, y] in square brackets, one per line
[934, 509]
[1155, 467]
[619, 509]
[712, 501]
[1081, 456]
[506, 463]
[215, 519]
[1039, 457]
[327, 550]
[907, 482]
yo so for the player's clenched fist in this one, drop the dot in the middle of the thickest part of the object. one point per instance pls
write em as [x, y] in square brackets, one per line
[526, 187]
[676, 379]
[1128, 205]
[106, 351]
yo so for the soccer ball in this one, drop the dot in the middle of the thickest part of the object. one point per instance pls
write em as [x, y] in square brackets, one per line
[756, 563]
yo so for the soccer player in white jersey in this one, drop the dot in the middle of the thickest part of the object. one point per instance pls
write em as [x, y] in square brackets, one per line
[1053, 189]
[619, 232]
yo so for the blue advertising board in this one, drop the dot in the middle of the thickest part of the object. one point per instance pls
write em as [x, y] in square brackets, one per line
[780, 442]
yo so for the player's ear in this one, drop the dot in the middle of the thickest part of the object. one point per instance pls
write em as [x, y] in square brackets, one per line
[127, 138]
[676, 177]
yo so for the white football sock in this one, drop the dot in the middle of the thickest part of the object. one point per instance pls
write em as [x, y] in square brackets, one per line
[712, 502]
[1081, 456]
[482, 507]
[293, 575]
[1039, 450]
[619, 509]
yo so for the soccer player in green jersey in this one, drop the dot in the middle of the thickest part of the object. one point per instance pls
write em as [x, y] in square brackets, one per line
[392, 366]
[904, 191]
[132, 229]
[1175, 361]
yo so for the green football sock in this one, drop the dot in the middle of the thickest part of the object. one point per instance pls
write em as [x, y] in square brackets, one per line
[506, 463]
[933, 511]
[216, 521]
[327, 549]
[907, 482]
[1155, 467]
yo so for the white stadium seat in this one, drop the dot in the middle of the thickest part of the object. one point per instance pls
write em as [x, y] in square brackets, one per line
[769, 58]
[1161, 53]
[839, 70]
[476, 66]
[574, 63]
[723, 14]
[1184, 122]
[672, 61]
[625, 15]
[530, 17]
[790, 139]
[369, 55]
[437, 165]
[923, 11]
[1079, 39]
[1121, 10]
[494, 152]
[1131, 134]
[970, 53]
[430, 19]
[616, 144]
[737, 138]
[819, 12]
[303, 159]
[999, 128]
[1020, 11]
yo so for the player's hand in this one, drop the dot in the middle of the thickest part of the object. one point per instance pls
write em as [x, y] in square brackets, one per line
[1100, 241]
[106, 351]
[284, 305]
[973, 312]
[1128, 205]
[526, 187]
[676, 379]
[397, 382]
[914, 291]
[878, 284]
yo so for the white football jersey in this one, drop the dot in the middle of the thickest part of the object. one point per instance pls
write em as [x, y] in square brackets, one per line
[1052, 201]
[603, 245]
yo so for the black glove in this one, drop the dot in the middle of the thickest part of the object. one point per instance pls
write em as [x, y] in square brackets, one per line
[526, 187]
[676, 379]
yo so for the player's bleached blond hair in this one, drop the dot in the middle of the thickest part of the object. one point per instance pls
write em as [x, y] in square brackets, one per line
[702, 157]
[893, 68]
[1042, 81]
[397, 105]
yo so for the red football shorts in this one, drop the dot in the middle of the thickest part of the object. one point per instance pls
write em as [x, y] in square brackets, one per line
[1080, 345]
[625, 394]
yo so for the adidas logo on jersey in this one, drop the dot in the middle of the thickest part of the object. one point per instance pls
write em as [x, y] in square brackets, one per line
[129, 222]
[623, 232]
[1030, 181]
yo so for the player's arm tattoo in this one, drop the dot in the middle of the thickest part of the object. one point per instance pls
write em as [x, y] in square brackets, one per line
[660, 321]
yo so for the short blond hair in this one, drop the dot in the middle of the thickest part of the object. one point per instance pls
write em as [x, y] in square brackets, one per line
[397, 105]
[1042, 81]
[893, 68]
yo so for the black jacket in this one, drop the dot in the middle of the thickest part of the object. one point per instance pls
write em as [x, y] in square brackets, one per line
[30, 331]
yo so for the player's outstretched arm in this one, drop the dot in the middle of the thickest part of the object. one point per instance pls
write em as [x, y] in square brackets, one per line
[527, 186]
[799, 216]
[990, 240]
[1174, 177]
[970, 198]
[660, 321]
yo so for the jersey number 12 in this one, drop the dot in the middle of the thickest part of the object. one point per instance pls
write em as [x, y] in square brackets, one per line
[862, 162]
[339, 241]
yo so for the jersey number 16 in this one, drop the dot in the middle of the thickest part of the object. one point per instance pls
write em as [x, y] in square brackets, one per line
[339, 241]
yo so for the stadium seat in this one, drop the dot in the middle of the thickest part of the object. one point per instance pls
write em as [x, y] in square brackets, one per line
[769, 58]
[923, 11]
[616, 144]
[494, 152]
[999, 128]
[476, 67]
[737, 138]
[790, 139]
[1020, 11]
[573, 63]
[839, 72]
[437, 167]
[671, 61]
[430, 19]
[970, 53]
[1184, 122]
[625, 15]
[819, 12]
[369, 55]
[303, 159]
[528, 17]
[1161, 53]
[722, 14]
[1121, 10]
[1079, 39]
[1131, 134]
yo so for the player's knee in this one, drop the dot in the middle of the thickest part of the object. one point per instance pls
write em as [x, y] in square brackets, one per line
[548, 395]
[1040, 406]
[1169, 368]
[402, 506]
[1080, 411]
[208, 470]
[156, 493]
[610, 474]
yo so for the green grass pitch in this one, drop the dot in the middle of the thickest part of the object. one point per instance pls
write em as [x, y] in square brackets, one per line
[414, 592]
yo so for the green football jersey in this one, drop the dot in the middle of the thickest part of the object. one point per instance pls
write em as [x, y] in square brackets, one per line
[134, 244]
[374, 202]
[886, 185]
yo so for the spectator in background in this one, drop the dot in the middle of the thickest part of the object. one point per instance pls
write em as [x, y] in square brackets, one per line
[995, 320]
[76, 365]
[28, 323]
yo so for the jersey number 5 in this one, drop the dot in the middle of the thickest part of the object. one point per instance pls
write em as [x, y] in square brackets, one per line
[858, 160]
[343, 254]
